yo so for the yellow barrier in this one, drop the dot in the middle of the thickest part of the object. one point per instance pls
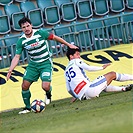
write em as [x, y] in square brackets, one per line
[120, 56]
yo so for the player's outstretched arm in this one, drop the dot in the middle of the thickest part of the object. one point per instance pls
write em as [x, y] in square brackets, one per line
[105, 65]
[73, 99]
[87, 67]
[62, 41]
[14, 63]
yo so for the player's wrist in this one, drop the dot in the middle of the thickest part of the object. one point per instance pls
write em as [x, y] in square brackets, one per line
[9, 71]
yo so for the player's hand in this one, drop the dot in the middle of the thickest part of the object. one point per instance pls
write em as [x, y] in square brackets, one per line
[105, 65]
[73, 99]
[8, 75]
[73, 46]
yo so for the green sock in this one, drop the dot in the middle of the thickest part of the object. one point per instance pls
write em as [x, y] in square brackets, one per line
[26, 98]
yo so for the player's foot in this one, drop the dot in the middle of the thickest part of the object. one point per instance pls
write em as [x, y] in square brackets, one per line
[25, 111]
[127, 87]
[48, 98]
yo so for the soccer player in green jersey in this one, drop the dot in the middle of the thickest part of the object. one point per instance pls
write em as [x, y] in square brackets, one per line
[40, 64]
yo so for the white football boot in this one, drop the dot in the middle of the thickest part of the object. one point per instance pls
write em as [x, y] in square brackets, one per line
[48, 98]
[128, 87]
[25, 111]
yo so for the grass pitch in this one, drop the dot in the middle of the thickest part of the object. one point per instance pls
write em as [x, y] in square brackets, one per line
[110, 113]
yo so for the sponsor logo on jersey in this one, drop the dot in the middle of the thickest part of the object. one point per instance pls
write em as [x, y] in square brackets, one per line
[79, 87]
[32, 45]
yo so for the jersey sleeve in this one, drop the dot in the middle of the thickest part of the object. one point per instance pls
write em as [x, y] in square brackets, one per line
[46, 35]
[19, 47]
[84, 66]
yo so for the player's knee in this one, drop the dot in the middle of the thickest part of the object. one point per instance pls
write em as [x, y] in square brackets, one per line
[46, 87]
[113, 74]
[25, 86]
[110, 75]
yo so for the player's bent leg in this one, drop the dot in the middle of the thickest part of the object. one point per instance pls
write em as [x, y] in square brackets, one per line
[46, 87]
[110, 76]
[118, 77]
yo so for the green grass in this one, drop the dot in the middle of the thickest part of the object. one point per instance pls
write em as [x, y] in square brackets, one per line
[110, 113]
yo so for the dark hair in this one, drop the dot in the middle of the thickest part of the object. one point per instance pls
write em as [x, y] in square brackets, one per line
[24, 20]
[71, 51]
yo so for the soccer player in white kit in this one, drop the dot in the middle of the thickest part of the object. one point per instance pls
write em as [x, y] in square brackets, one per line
[79, 85]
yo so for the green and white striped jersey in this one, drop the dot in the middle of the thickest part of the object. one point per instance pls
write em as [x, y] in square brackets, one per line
[36, 45]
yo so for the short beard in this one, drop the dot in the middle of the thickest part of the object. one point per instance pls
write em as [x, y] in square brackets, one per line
[29, 33]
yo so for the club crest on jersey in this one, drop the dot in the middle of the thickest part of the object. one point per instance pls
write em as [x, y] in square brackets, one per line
[37, 40]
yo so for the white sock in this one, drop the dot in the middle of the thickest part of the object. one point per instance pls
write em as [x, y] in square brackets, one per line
[123, 77]
[111, 88]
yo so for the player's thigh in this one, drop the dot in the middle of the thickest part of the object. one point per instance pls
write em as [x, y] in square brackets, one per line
[31, 74]
[96, 87]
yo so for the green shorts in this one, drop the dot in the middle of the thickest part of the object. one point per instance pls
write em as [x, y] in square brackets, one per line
[43, 70]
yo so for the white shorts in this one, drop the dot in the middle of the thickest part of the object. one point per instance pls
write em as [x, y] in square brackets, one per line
[96, 87]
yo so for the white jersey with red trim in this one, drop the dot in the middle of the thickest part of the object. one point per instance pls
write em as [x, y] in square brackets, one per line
[76, 79]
